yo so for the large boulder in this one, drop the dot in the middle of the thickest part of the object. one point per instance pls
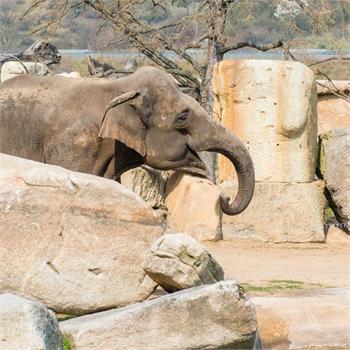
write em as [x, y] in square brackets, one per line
[13, 68]
[27, 325]
[271, 107]
[73, 241]
[278, 212]
[334, 168]
[217, 316]
[327, 87]
[148, 183]
[194, 207]
[333, 111]
[177, 261]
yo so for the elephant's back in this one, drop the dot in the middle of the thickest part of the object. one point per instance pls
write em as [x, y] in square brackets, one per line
[20, 126]
[49, 90]
[34, 109]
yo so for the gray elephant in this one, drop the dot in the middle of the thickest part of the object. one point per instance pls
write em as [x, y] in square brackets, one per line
[148, 120]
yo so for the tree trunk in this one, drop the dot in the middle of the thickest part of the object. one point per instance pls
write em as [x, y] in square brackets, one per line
[214, 56]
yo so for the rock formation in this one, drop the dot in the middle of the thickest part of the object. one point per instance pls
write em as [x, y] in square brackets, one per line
[332, 110]
[148, 183]
[194, 207]
[217, 316]
[334, 168]
[29, 325]
[279, 212]
[271, 107]
[318, 320]
[177, 261]
[73, 241]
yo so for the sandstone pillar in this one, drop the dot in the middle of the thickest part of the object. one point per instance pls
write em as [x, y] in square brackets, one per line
[272, 107]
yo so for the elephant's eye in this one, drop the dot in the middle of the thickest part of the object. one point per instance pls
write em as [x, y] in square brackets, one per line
[183, 119]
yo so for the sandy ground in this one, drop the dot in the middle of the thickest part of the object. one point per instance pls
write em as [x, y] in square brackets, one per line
[257, 264]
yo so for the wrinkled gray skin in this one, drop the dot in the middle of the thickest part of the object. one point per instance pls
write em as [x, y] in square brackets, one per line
[105, 127]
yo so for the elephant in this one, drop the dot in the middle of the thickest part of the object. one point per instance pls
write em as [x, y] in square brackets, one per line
[106, 127]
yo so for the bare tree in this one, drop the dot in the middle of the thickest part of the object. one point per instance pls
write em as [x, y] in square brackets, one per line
[202, 26]
[180, 25]
[173, 27]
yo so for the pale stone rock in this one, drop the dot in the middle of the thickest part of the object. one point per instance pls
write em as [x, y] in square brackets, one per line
[194, 207]
[27, 325]
[73, 241]
[13, 68]
[74, 75]
[333, 112]
[279, 212]
[217, 316]
[177, 261]
[148, 183]
[334, 168]
[336, 236]
[325, 87]
[310, 320]
[271, 107]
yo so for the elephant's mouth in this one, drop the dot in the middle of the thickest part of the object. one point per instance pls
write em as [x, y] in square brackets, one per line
[194, 171]
[195, 165]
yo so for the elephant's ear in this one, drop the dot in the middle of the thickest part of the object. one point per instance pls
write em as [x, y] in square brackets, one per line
[123, 120]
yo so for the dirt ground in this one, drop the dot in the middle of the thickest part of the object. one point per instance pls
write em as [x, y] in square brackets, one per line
[279, 268]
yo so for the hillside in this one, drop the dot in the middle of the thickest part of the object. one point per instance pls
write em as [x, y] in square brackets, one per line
[258, 21]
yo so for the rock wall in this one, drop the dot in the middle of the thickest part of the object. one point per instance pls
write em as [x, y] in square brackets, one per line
[279, 212]
[271, 107]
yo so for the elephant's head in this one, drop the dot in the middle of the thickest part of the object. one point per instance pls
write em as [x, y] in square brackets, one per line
[167, 128]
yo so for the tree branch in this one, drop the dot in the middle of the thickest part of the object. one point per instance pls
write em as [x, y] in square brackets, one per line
[260, 47]
[328, 60]
[197, 43]
[123, 19]
[331, 87]
[180, 52]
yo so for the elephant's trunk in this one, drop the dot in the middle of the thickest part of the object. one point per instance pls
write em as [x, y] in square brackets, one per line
[223, 141]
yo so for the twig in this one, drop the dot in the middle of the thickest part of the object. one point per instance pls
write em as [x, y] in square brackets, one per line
[333, 89]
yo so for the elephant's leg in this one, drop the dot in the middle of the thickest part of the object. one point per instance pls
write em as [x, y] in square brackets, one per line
[104, 159]
[108, 171]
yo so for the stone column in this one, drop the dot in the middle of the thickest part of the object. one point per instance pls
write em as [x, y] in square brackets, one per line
[272, 107]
